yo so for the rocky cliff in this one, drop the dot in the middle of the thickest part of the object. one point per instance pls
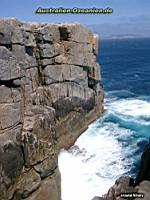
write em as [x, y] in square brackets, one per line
[50, 91]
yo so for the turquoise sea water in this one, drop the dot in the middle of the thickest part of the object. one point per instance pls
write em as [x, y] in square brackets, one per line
[112, 146]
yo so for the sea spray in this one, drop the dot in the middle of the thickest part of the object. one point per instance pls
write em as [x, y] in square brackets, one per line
[105, 151]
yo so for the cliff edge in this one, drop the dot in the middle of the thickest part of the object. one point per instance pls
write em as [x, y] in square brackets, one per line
[50, 91]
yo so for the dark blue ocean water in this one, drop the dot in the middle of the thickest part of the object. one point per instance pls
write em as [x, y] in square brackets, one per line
[125, 68]
[113, 144]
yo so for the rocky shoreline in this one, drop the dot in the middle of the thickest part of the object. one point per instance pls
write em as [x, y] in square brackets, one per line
[128, 188]
[50, 91]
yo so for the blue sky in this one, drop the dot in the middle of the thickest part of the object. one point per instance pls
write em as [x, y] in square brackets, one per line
[125, 11]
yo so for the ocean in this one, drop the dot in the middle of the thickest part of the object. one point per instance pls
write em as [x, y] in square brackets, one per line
[112, 145]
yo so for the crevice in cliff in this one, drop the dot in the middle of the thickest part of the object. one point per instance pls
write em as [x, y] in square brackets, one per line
[51, 57]
[1, 35]
[37, 53]
[36, 163]
[64, 34]
[29, 50]
[8, 46]
[2, 131]
[92, 83]
[23, 154]
[64, 81]
[49, 172]
[9, 83]
[85, 67]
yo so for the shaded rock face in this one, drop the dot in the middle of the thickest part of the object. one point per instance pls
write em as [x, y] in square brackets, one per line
[122, 185]
[50, 91]
[122, 189]
[144, 188]
[144, 171]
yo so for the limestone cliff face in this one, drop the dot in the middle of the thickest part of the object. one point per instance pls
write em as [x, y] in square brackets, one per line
[50, 91]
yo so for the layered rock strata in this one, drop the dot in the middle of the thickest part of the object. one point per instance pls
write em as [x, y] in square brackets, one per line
[50, 91]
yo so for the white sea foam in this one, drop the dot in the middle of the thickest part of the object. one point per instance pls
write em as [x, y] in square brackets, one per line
[92, 168]
[131, 107]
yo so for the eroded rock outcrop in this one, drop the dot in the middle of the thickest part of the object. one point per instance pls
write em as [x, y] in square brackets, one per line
[50, 91]
[123, 189]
